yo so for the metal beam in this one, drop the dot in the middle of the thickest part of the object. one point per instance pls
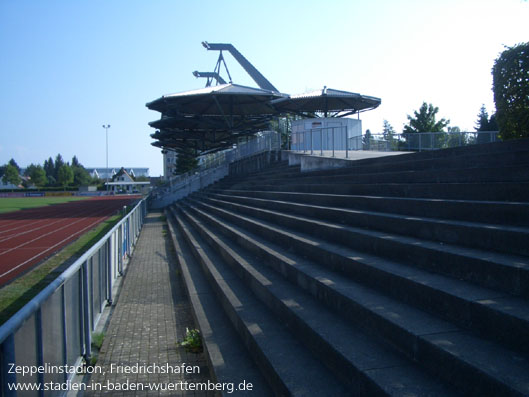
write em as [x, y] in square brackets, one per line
[250, 69]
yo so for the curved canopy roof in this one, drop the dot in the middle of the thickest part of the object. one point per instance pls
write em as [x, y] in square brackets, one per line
[326, 100]
[221, 100]
[213, 118]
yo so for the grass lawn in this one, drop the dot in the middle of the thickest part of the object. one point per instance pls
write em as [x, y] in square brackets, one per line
[10, 204]
[21, 290]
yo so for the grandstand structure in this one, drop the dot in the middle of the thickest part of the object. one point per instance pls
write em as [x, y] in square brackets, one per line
[215, 117]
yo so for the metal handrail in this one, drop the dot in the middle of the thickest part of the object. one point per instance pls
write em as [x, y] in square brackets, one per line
[224, 158]
[110, 251]
[303, 141]
[29, 308]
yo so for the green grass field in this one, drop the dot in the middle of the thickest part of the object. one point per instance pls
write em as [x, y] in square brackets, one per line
[10, 204]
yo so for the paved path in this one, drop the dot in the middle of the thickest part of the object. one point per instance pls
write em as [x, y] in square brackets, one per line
[151, 315]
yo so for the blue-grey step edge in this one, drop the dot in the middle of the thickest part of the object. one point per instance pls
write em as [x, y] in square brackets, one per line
[509, 273]
[288, 367]
[450, 154]
[495, 369]
[507, 191]
[227, 358]
[350, 354]
[499, 316]
[501, 238]
[413, 162]
[459, 175]
[495, 212]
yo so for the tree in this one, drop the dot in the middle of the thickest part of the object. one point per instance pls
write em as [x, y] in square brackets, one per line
[36, 174]
[11, 175]
[482, 123]
[455, 137]
[389, 135]
[388, 131]
[367, 140]
[75, 162]
[81, 176]
[186, 161]
[424, 120]
[65, 175]
[485, 124]
[14, 164]
[59, 162]
[49, 169]
[510, 76]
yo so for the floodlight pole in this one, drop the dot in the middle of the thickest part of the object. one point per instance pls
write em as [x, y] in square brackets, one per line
[106, 127]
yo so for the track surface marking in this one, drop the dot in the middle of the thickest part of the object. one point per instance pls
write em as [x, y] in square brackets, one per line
[29, 236]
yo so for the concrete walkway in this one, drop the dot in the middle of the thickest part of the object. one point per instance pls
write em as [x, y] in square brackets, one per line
[151, 315]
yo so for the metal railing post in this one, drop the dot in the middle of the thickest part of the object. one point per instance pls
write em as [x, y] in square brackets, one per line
[40, 348]
[346, 144]
[332, 141]
[109, 271]
[86, 313]
[8, 357]
[64, 331]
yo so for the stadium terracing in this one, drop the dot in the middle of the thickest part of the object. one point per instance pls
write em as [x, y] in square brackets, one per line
[215, 117]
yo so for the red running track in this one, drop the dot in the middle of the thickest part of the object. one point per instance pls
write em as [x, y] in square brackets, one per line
[29, 236]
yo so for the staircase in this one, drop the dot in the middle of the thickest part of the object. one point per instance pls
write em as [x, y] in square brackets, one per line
[406, 275]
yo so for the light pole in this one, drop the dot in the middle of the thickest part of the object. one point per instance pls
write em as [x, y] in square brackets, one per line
[106, 127]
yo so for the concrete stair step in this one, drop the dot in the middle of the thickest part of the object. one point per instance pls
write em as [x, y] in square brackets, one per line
[498, 316]
[348, 352]
[494, 212]
[414, 161]
[459, 175]
[507, 239]
[227, 358]
[503, 272]
[492, 150]
[288, 367]
[501, 191]
[430, 341]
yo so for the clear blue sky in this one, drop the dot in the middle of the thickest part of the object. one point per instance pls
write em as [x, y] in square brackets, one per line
[67, 67]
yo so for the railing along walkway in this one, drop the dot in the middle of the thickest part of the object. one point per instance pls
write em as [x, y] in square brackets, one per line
[151, 315]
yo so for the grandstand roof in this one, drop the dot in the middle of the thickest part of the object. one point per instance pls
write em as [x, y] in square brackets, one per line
[222, 100]
[326, 100]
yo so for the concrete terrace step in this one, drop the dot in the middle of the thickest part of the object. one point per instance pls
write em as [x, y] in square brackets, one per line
[492, 150]
[227, 358]
[458, 175]
[288, 367]
[283, 170]
[365, 366]
[494, 212]
[503, 272]
[440, 346]
[405, 162]
[508, 239]
[401, 275]
[468, 305]
[501, 191]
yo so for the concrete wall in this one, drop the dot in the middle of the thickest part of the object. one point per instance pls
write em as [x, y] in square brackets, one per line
[309, 162]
